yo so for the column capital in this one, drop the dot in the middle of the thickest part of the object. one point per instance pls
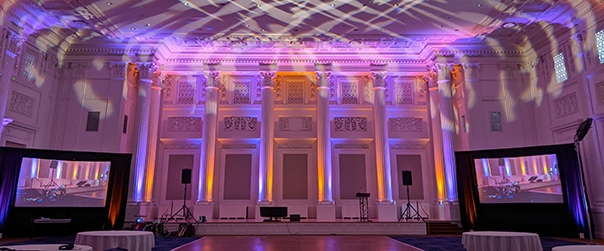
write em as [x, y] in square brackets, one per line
[212, 66]
[443, 71]
[267, 78]
[146, 70]
[430, 78]
[323, 77]
[212, 78]
[378, 77]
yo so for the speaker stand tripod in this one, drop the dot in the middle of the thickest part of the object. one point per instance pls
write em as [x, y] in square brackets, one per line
[186, 213]
[409, 209]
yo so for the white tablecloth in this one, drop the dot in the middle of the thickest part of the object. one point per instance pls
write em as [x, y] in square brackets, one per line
[47, 247]
[131, 240]
[501, 241]
[579, 248]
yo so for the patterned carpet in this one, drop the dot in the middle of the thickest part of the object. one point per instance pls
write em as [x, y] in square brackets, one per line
[430, 243]
[161, 243]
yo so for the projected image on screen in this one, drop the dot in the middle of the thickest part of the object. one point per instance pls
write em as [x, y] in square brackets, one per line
[527, 179]
[62, 183]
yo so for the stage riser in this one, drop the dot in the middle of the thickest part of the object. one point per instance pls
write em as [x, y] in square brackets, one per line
[310, 228]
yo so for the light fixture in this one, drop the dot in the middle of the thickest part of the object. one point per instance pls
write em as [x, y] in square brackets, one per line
[109, 3]
[508, 25]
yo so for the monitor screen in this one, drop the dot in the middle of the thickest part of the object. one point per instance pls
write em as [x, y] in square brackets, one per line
[523, 179]
[273, 212]
[62, 183]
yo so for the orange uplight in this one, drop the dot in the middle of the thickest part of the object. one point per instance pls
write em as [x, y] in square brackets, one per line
[321, 180]
[523, 166]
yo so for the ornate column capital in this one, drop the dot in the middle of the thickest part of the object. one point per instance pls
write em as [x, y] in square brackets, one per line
[378, 78]
[212, 79]
[267, 78]
[146, 70]
[323, 77]
[430, 78]
[443, 71]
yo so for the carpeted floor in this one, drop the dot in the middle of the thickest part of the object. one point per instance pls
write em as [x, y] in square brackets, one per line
[161, 243]
[430, 243]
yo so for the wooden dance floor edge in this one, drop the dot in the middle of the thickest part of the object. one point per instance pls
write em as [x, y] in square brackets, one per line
[308, 228]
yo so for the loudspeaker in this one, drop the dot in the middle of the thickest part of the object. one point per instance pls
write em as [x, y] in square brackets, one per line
[294, 217]
[407, 181]
[185, 177]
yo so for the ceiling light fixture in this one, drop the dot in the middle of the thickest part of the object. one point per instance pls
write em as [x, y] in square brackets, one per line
[508, 25]
[109, 3]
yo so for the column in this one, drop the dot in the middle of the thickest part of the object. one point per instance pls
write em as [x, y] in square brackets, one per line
[265, 172]
[150, 76]
[386, 207]
[437, 144]
[141, 121]
[326, 209]
[205, 198]
[448, 127]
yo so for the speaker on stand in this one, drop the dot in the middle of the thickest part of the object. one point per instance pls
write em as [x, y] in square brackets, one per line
[185, 179]
[410, 212]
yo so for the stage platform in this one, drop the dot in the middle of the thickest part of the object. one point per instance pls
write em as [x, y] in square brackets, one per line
[304, 227]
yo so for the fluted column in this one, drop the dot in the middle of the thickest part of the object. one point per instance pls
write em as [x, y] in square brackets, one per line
[447, 125]
[437, 143]
[323, 135]
[4, 86]
[208, 143]
[382, 147]
[265, 173]
[141, 130]
[150, 77]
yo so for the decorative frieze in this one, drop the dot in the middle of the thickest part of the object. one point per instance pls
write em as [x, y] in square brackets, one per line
[350, 124]
[351, 146]
[405, 124]
[566, 106]
[21, 104]
[295, 124]
[167, 86]
[240, 123]
[409, 146]
[239, 146]
[118, 70]
[241, 92]
[350, 92]
[184, 124]
[294, 146]
[183, 146]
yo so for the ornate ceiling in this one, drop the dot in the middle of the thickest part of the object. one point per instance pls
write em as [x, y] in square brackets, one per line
[411, 27]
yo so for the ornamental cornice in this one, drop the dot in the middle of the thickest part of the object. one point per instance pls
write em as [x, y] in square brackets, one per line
[98, 51]
[310, 61]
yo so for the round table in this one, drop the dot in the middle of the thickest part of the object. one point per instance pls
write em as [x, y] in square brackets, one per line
[131, 240]
[500, 241]
[46, 247]
[579, 248]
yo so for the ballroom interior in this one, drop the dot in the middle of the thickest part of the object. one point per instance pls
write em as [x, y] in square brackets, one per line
[303, 104]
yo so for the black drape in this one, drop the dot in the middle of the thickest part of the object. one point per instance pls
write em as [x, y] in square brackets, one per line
[10, 161]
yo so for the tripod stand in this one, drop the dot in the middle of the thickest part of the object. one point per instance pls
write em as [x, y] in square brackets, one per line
[186, 213]
[408, 210]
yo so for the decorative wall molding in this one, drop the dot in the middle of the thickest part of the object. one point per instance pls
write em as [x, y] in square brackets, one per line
[295, 124]
[184, 124]
[183, 146]
[118, 70]
[351, 146]
[294, 146]
[239, 146]
[406, 124]
[414, 146]
[240, 123]
[600, 93]
[566, 105]
[350, 124]
[21, 104]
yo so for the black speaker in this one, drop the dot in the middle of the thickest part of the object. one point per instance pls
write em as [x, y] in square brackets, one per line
[407, 180]
[185, 177]
[294, 217]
